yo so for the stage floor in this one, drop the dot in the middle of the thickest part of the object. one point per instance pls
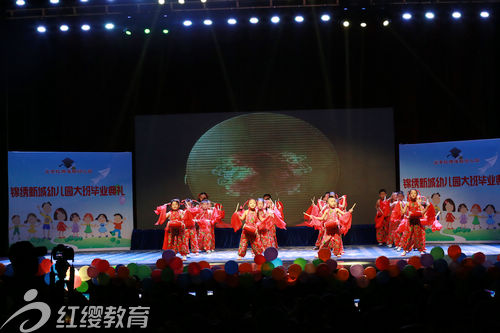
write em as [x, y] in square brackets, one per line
[353, 253]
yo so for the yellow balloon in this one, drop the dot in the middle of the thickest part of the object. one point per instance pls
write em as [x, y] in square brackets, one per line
[83, 273]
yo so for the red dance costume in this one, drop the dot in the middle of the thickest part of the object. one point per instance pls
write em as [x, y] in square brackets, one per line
[249, 234]
[206, 219]
[316, 210]
[174, 238]
[269, 219]
[413, 232]
[382, 220]
[393, 237]
[190, 233]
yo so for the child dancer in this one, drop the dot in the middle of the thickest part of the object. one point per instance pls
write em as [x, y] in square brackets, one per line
[382, 218]
[190, 233]
[335, 223]
[250, 233]
[394, 220]
[316, 209]
[174, 238]
[206, 218]
[275, 212]
[411, 226]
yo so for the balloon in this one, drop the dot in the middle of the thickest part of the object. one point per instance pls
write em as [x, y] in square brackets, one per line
[468, 262]
[383, 277]
[143, 272]
[437, 252]
[259, 259]
[167, 274]
[132, 269]
[461, 257]
[94, 262]
[440, 265]
[176, 263]
[83, 273]
[310, 268]
[111, 272]
[78, 281]
[370, 272]
[270, 253]
[92, 272]
[294, 270]
[194, 269]
[206, 274]
[103, 279]
[46, 264]
[203, 264]
[2, 269]
[426, 260]
[323, 270]
[479, 258]
[447, 259]
[161, 263]
[301, 262]
[332, 263]
[9, 271]
[343, 274]
[401, 264]
[245, 267]
[267, 268]
[231, 267]
[156, 275]
[382, 263]
[232, 281]
[409, 271]
[102, 266]
[324, 254]
[362, 281]
[278, 273]
[84, 286]
[316, 262]
[183, 280]
[220, 275]
[357, 270]
[123, 272]
[277, 262]
[454, 251]
[394, 270]
[415, 262]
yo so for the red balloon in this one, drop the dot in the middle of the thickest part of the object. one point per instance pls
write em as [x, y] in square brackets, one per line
[324, 254]
[454, 251]
[245, 267]
[102, 266]
[259, 259]
[92, 272]
[323, 270]
[2, 269]
[343, 274]
[156, 275]
[382, 263]
[370, 272]
[204, 264]
[194, 268]
[176, 263]
[111, 272]
[479, 258]
[46, 264]
[415, 262]
[94, 262]
[123, 272]
[161, 263]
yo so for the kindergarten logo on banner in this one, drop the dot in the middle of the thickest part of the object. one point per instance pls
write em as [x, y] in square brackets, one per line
[462, 180]
[83, 200]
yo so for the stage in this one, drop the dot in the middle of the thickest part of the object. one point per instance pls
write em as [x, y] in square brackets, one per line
[364, 254]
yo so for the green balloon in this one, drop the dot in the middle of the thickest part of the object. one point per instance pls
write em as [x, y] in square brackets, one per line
[301, 262]
[409, 271]
[167, 274]
[133, 269]
[317, 261]
[437, 252]
[83, 287]
[143, 272]
[103, 279]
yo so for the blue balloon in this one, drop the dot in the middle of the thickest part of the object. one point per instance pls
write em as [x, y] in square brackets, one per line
[9, 271]
[277, 262]
[270, 253]
[461, 257]
[383, 277]
[231, 267]
[183, 279]
[206, 274]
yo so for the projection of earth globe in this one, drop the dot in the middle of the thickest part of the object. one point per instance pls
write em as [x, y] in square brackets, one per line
[249, 155]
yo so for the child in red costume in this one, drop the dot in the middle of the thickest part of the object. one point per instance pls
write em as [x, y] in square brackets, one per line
[190, 233]
[174, 238]
[382, 219]
[250, 233]
[394, 220]
[206, 218]
[335, 223]
[316, 209]
[411, 225]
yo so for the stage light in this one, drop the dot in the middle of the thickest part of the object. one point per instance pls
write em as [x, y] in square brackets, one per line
[84, 1]
[275, 19]
[232, 21]
[181, 2]
[430, 15]
[85, 27]
[386, 23]
[363, 24]
[187, 23]
[41, 29]
[406, 16]
[325, 17]
[161, 2]
[208, 22]
[128, 32]
[346, 24]
[484, 14]
[165, 31]
[63, 27]
[147, 31]
[54, 2]
[203, 1]
[109, 26]
[253, 20]
[20, 2]
[456, 15]
[299, 19]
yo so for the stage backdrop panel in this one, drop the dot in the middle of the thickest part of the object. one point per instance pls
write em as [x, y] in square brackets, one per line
[462, 180]
[83, 200]
[293, 155]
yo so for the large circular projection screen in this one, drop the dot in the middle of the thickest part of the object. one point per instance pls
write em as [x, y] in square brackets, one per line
[252, 154]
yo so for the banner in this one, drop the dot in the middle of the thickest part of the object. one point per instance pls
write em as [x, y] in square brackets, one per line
[83, 200]
[462, 180]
